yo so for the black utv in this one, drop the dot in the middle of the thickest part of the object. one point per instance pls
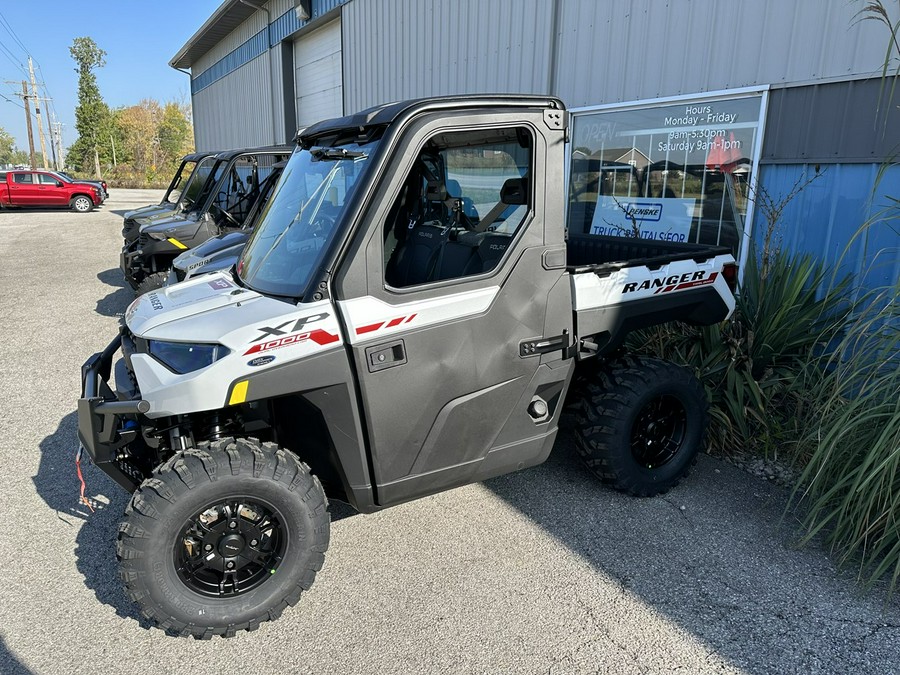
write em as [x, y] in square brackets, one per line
[220, 195]
[173, 199]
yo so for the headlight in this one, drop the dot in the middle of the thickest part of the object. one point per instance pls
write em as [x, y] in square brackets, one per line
[183, 357]
[159, 236]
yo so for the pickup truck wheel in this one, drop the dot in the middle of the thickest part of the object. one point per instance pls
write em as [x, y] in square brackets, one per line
[151, 282]
[641, 424]
[81, 204]
[223, 537]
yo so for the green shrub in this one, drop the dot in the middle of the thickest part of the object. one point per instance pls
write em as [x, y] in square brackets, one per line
[756, 366]
[851, 485]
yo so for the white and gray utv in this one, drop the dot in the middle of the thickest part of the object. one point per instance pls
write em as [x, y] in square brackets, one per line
[407, 317]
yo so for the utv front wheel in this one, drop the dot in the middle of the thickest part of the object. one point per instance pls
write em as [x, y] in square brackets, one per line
[81, 204]
[222, 538]
[151, 282]
[641, 424]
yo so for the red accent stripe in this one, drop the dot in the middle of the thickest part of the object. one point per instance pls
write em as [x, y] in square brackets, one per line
[703, 282]
[368, 329]
[411, 317]
[322, 337]
[395, 322]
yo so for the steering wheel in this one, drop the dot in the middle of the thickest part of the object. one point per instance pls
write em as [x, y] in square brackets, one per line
[322, 224]
[230, 218]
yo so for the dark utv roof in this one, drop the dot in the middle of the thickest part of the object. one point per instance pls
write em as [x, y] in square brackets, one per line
[197, 156]
[383, 115]
[270, 149]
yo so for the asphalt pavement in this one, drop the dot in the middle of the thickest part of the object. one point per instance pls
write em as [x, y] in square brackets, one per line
[542, 571]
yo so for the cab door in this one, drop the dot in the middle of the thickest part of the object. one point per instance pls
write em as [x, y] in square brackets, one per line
[459, 340]
[23, 190]
[51, 190]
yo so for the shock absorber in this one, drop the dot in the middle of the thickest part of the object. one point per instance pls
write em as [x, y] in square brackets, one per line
[179, 440]
[214, 428]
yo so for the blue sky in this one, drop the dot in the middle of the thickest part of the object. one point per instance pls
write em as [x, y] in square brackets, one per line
[139, 38]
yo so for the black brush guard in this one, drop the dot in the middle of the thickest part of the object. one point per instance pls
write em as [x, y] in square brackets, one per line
[101, 416]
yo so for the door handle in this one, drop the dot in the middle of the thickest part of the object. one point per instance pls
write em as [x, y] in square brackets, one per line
[384, 356]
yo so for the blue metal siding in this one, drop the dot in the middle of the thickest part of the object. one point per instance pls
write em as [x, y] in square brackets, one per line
[248, 51]
[840, 217]
[282, 27]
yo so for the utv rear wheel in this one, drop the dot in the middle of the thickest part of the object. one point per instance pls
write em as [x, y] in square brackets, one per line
[151, 282]
[222, 538]
[81, 204]
[641, 424]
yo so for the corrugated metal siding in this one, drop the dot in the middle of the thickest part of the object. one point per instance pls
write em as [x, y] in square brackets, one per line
[287, 22]
[244, 45]
[839, 121]
[235, 111]
[244, 32]
[398, 49]
[639, 49]
[840, 218]
[248, 51]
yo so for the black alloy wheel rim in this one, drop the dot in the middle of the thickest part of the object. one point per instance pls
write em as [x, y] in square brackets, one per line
[658, 432]
[230, 547]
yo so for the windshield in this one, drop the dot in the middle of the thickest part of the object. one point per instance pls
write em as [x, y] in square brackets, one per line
[199, 178]
[173, 194]
[301, 218]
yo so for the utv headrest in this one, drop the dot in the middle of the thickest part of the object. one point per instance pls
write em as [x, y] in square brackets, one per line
[514, 191]
[454, 189]
[435, 191]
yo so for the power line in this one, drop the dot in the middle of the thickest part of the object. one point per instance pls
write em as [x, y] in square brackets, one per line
[12, 33]
[11, 57]
[9, 100]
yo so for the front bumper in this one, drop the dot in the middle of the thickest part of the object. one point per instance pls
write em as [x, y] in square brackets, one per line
[104, 427]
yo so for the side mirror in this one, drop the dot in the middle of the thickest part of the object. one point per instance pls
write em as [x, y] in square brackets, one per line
[174, 196]
[59, 183]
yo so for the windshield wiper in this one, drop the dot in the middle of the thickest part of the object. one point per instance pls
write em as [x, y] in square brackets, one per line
[318, 154]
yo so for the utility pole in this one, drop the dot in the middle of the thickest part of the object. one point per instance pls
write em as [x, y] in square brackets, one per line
[37, 110]
[25, 98]
[57, 142]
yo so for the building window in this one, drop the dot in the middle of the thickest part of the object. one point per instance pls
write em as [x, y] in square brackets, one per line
[669, 171]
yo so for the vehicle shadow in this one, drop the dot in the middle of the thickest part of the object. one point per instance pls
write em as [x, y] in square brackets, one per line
[715, 556]
[57, 484]
[115, 302]
[9, 664]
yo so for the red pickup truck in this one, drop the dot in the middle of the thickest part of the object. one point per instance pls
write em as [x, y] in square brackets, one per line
[44, 188]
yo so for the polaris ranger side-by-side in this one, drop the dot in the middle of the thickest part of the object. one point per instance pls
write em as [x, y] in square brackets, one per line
[406, 318]
[230, 187]
[174, 198]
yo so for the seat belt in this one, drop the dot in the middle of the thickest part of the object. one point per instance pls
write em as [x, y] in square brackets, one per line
[492, 215]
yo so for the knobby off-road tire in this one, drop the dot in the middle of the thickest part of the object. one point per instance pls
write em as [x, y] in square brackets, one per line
[223, 537]
[641, 424]
[81, 204]
[151, 282]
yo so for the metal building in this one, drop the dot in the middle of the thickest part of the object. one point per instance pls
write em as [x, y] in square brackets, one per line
[765, 93]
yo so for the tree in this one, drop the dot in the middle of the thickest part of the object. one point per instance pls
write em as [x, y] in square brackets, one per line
[9, 153]
[150, 140]
[92, 117]
[7, 147]
[176, 135]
